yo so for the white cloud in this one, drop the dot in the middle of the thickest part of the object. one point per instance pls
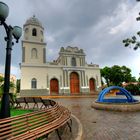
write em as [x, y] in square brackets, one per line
[1, 69]
[125, 17]
[123, 26]
[50, 39]
[14, 70]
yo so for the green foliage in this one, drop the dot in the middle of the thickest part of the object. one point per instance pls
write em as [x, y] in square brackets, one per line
[12, 85]
[1, 85]
[105, 73]
[134, 89]
[133, 79]
[1, 91]
[1, 80]
[115, 75]
[18, 86]
[126, 73]
[133, 40]
[139, 79]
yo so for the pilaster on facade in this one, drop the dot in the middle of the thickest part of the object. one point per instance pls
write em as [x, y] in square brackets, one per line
[47, 81]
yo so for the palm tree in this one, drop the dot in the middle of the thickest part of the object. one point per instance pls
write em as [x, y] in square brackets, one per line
[12, 85]
[1, 84]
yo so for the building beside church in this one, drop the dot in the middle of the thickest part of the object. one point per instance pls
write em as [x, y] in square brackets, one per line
[67, 75]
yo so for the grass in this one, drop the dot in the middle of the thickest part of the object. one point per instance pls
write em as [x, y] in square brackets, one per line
[15, 112]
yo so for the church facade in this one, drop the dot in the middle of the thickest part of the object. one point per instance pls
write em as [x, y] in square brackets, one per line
[69, 74]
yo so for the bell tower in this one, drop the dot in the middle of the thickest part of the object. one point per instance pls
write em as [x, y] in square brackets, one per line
[33, 45]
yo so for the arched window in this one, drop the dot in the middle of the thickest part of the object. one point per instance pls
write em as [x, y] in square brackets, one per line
[73, 61]
[34, 83]
[34, 32]
[34, 53]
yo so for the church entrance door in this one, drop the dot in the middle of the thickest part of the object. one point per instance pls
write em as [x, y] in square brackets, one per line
[92, 85]
[74, 83]
[54, 88]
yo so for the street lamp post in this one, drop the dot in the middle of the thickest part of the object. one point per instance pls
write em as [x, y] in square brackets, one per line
[11, 32]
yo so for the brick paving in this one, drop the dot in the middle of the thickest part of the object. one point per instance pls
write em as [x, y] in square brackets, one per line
[103, 125]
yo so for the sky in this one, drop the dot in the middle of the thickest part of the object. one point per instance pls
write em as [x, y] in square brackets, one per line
[96, 26]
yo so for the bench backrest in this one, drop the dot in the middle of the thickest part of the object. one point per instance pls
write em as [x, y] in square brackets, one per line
[20, 100]
[26, 100]
[20, 124]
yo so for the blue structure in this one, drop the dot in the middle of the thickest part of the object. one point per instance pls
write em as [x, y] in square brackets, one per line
[129, 97]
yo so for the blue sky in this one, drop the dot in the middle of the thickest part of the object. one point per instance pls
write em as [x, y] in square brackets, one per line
[98, 27]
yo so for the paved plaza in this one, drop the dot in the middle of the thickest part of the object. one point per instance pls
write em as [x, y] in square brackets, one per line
[103, 125]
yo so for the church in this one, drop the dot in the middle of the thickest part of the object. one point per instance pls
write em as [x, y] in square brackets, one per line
[69, 74]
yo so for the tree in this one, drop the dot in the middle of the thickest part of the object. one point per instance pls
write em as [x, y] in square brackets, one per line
[127, 77]
[116, 75]
[133, 40]
[139, 79]
[105, 73]
[134, 89]
[133, 79]
[1, 85]
[12, 85]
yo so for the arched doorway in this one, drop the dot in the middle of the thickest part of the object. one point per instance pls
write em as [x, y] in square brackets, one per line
[54, 88]
[92, 85]
[74, 83]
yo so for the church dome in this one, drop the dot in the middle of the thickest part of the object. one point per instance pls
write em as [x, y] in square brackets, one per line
[33, 21]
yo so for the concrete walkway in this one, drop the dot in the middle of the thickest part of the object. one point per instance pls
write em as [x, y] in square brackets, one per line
[103, 125]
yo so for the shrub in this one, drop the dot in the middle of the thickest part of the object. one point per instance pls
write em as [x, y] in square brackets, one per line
[134, 89]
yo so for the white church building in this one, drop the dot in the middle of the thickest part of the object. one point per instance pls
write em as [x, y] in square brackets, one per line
[69, 74]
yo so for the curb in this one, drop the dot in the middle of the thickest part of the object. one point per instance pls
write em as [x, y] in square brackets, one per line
[128, 107]
[61, 97]
[80, 129]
